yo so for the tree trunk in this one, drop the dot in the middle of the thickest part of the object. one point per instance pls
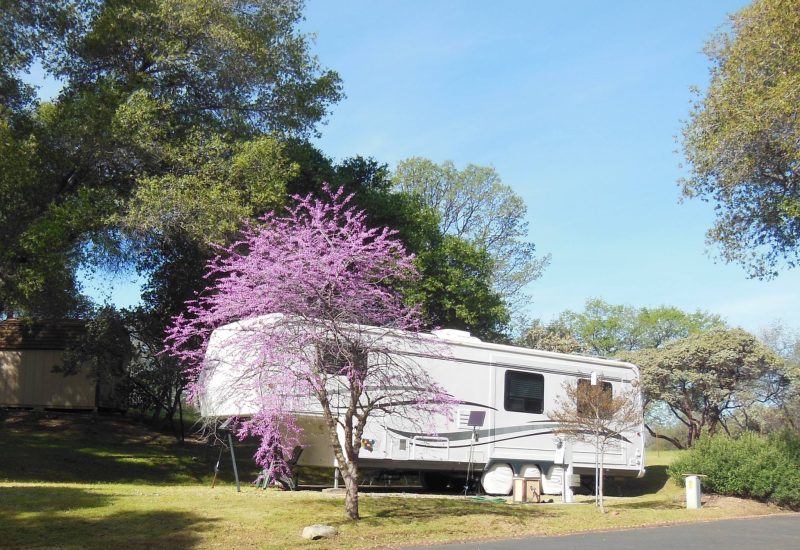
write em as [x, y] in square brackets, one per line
[180, 419]
[156, 414]
[350, 475]
[694, 433]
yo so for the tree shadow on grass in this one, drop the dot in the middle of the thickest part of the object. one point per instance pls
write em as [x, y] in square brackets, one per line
[63, 517]
[416, 509]
[85, 449]
[654, 504]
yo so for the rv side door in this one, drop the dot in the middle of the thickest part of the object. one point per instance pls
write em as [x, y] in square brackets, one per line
[520, 404]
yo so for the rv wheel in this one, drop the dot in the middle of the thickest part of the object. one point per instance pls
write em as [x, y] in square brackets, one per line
[498, 479]
[435, 481]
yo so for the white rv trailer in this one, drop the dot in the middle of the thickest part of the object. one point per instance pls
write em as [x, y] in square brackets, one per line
[514, 387]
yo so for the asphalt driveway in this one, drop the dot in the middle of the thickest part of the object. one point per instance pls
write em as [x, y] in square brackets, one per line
[767, 533]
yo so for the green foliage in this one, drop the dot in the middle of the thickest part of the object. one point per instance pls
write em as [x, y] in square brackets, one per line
[121, 349]
[750, 466]
[784, 409]
[553, 336]
[608, 329]
[455, 289]
[473, 204]
[39, 256]
[240, 66]
[212, 186]
[166, 131]
[742, 141]
[27, 28]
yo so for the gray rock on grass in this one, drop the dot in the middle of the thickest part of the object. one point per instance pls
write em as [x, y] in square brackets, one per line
[318, 531]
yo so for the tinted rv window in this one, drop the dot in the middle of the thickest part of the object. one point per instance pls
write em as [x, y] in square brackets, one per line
[524, 392]
[603, 404]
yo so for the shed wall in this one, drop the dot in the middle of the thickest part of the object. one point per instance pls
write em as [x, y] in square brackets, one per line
[27, 380]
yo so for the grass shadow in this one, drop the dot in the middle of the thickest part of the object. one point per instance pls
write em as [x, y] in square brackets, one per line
[651, 504]
[63, 517]
[81, 448]
[425, 509]
[26, 499]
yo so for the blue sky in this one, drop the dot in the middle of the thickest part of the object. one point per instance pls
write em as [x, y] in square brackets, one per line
[577, 106]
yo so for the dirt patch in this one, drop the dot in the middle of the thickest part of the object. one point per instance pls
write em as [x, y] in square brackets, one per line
[738, 505]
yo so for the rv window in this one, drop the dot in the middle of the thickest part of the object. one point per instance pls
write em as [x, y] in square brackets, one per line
[524, 392]
[334, 360]
[584, 406]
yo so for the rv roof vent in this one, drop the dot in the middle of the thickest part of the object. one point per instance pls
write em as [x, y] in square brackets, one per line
[453, 334]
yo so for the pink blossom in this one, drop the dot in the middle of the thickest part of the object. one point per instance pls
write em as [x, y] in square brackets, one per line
[334, 281]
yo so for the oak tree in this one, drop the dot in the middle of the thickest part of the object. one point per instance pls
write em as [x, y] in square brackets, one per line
[742, 139]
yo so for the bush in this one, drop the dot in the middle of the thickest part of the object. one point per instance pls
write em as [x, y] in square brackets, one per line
[750, 466]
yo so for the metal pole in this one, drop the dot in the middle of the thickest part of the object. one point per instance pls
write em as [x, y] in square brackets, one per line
[216, 466]
[336, 478]
[469, 464]
[233, 461]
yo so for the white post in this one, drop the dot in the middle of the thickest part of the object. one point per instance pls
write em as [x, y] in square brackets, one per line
[568, 495]
[693, 492]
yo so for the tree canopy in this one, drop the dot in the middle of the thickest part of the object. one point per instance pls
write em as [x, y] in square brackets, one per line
[238, 66]
[742, 140]
[606, 329]
[784, 409]
[167, 129]
[704, 378]
[456, 284]
[178, 119]
[473, 204]
[553, 336]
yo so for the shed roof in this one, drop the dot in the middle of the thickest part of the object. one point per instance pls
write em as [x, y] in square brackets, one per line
[28, 334]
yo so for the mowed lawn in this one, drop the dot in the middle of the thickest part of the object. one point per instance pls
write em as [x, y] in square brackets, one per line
[74, 481]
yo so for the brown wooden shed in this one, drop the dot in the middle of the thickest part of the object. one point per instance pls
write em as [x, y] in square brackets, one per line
[28, 352]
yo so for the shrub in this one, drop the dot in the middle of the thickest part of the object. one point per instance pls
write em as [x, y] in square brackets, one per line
[750, 466]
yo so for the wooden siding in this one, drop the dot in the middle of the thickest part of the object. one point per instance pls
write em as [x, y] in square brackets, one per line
[27, 380]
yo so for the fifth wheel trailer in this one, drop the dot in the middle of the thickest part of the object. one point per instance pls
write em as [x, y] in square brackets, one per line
[513, 387]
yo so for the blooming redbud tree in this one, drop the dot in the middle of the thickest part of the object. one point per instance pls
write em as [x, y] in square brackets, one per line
[312, 296]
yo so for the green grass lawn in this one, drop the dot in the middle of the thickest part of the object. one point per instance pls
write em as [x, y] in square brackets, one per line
[79, 482]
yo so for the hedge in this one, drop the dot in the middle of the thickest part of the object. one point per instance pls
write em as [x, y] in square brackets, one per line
[765, 468]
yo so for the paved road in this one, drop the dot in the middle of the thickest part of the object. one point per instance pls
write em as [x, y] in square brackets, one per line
[770, 533]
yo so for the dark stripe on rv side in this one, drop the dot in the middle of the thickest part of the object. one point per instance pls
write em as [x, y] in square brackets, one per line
[467, 434]
[479, 443]
[416, 401]
[464, 435]
[510, 366]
